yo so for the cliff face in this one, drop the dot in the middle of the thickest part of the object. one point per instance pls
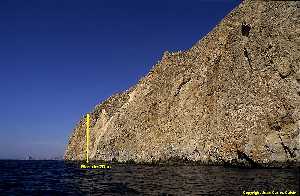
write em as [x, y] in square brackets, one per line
[234, 96]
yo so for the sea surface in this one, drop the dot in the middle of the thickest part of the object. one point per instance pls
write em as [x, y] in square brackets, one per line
[61, 178]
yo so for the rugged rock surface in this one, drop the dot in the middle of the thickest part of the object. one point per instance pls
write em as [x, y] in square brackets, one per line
[233, 97]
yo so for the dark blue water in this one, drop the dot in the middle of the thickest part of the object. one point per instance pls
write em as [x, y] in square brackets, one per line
[59, 178]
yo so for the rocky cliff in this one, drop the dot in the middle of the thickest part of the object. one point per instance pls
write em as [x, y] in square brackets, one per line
[233, 97]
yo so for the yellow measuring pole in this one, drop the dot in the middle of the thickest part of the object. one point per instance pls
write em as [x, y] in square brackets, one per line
[87, 136]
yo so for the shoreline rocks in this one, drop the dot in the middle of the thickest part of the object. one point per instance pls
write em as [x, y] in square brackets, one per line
[233, 98]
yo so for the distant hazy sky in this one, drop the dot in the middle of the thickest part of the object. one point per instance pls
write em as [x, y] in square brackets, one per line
[59, 58]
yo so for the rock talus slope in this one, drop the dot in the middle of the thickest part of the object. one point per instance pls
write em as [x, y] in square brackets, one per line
[234, 96]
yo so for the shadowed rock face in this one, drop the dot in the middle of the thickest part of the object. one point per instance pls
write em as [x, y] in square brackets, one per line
[233, 97]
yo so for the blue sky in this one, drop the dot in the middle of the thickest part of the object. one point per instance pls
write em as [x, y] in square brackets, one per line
[59, 58]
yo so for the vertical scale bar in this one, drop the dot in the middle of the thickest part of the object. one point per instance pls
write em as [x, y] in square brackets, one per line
[87, 136]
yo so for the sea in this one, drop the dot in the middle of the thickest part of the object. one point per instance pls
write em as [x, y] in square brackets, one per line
[69, 178]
